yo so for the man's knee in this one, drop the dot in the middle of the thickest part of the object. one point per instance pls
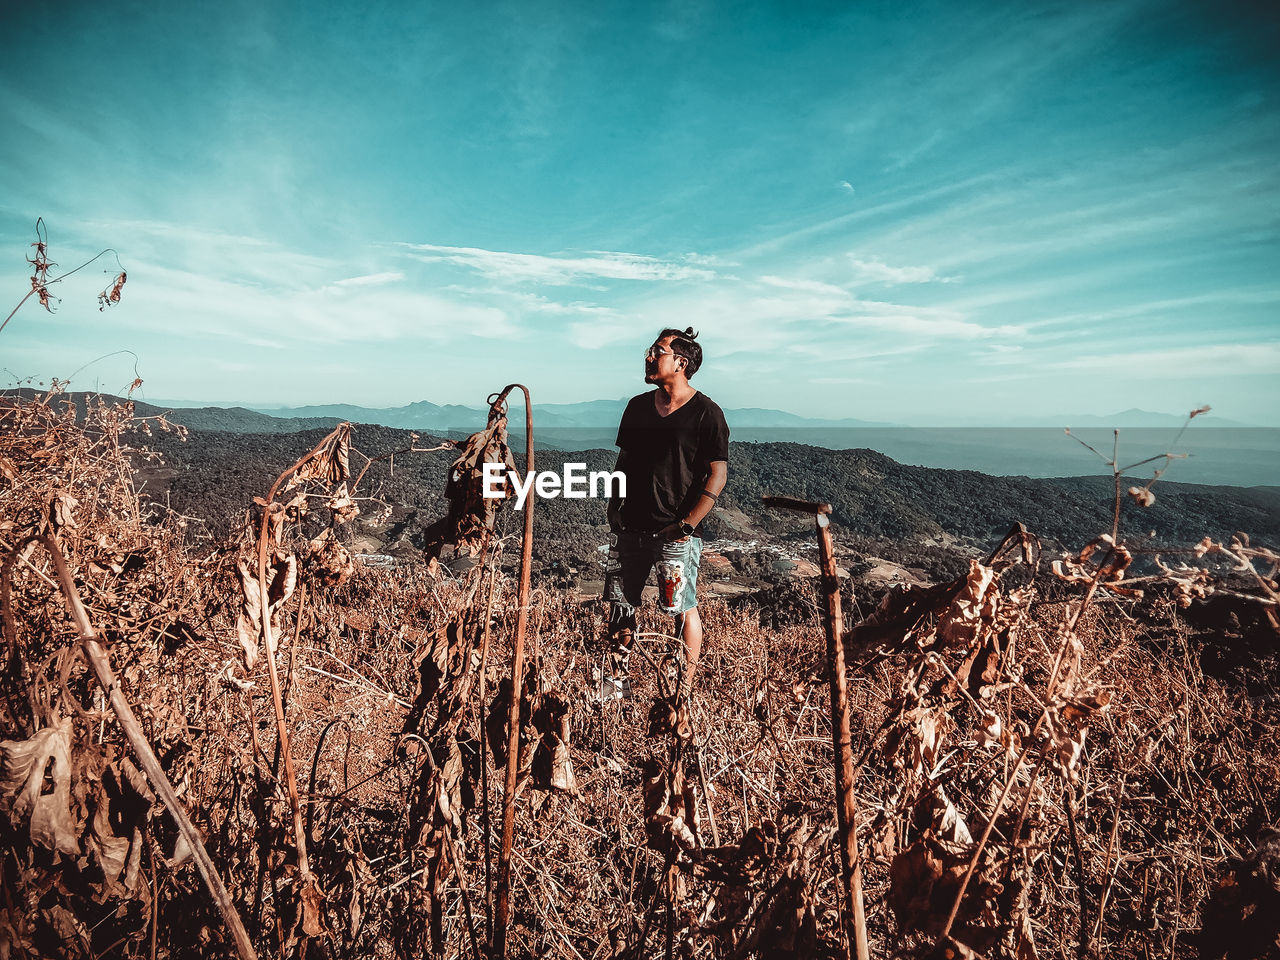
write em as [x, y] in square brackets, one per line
[622, 624]
[688, 619]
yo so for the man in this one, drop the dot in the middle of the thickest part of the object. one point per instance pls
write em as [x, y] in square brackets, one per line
[674, 445]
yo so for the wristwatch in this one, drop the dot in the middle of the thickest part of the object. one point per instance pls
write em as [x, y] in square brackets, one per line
[686, 528]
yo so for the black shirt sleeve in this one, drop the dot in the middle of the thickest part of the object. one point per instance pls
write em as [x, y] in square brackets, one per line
[627, 427]
[713, 435]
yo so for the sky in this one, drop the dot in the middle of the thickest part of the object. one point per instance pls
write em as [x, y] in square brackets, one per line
[912, 213]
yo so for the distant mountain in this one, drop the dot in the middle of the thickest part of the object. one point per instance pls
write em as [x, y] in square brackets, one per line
[1213, 452]
[756, 417]
[235, 419]
[225, 419]
[422, 415]
[1146, 418]
[589, 414]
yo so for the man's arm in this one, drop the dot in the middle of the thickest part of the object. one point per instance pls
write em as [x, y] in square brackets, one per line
[718, 474]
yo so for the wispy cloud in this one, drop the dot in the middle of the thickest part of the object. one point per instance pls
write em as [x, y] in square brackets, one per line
[1238, 359]
[932, 324]
[808, 286]
[536, 268]
[370, 280]
[876, 270]
[190, 305]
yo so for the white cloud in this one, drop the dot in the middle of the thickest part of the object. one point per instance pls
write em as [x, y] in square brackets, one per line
[530, 267]
[808, 286]
[925, 324]
[1193, 362]
[846, 186]
[877, 271]
[175, 303]
[592, 335]
[210, 253]
[372, 279]
[707, 260]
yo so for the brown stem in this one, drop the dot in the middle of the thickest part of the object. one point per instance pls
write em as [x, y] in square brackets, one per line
[517, 683]
[842, 746]
[853, 913]
[1107, 869]
[277, 701]
[101, 665]
[484, 749]
[1074, 834]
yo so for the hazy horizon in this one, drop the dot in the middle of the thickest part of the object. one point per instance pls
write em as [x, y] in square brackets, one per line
[1210, 419]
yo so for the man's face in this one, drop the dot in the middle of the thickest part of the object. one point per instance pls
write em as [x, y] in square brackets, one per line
[660, 362]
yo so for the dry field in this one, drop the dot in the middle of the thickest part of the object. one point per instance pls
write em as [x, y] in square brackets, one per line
[1043, 767]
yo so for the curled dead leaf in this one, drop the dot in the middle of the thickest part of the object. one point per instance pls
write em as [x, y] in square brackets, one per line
[282, 577]
[343, 507]
[670, 807]
[111, 295]
[313, 902]
[973, 609]
[330, 462]
[1142, 496]
[23, 769]
[328, 560]
[62, 511]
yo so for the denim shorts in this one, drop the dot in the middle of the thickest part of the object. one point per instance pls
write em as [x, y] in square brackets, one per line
[632, 556]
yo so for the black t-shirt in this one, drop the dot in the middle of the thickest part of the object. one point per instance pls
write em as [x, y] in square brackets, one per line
[667, 459]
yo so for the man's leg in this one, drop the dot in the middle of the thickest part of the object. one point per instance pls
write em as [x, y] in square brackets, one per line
[625, 573]
[685, 557]
[689, 627]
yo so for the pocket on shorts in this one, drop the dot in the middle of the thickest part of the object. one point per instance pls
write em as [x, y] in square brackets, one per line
[677, 591]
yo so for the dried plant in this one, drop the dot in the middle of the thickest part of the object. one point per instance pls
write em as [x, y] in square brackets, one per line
[1043, 765]
[41, 281]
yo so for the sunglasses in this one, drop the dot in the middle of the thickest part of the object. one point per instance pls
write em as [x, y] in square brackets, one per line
[657, 353]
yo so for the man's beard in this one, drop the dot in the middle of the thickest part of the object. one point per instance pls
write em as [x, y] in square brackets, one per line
[650, 373]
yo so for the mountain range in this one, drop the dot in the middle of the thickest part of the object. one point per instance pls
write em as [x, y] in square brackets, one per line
[1211, 451]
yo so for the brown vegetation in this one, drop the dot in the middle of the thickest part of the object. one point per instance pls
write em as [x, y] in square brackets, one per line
[1045, 768]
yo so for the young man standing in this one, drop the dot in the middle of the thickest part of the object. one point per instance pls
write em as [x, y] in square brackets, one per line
[674, 445]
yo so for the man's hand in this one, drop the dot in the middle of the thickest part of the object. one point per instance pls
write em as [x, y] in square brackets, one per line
[671, 533]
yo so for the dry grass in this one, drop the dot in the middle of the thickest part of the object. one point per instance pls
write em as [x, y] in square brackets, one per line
[1065, 753]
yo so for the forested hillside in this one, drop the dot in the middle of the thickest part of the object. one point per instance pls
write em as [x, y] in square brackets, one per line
[873, 497]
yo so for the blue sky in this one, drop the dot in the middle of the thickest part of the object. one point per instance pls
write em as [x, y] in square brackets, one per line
[926, 213]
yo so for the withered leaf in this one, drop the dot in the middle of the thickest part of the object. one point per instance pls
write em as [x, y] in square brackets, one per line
[25, 763]
[973, 610]
[1142, 496]
[329, 463]
[282, 577]
[313, 901]
[552, 766]
[670, 806]
[62, 511]
[328, 560]
[343, 507]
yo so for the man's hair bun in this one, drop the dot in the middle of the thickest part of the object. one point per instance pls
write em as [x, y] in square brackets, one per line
[682, 345]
